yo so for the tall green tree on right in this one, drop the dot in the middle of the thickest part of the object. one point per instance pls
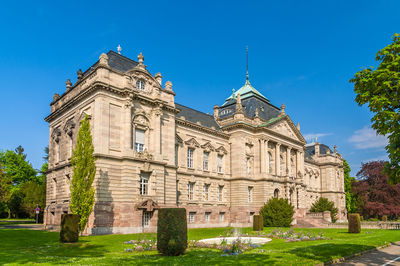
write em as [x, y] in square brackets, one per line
[84, 170]
[380, 89]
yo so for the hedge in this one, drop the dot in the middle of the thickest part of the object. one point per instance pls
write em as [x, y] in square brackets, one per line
[69, 231]
[354, 223]
[257, 223]
[172, 231]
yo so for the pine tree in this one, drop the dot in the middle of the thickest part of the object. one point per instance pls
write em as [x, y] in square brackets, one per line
[84, 169]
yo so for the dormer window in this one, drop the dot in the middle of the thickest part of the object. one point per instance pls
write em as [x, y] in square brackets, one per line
[140, 84]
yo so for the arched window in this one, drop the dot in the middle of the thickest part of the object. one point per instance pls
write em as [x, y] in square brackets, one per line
[140, 84]
[276, 193]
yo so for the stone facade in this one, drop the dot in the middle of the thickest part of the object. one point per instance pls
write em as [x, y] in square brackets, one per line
[153, 153]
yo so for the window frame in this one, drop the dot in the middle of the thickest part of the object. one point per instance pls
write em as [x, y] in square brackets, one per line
[190, 191]
[140, 147]
[220, 159]
[144, 184]
[250, 194]
[190, 156]
[206, 156]
[206, 192]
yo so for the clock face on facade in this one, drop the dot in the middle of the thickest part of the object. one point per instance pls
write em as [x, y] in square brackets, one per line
[225, 112]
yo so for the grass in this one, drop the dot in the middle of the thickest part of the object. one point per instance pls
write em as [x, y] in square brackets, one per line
[19, 246]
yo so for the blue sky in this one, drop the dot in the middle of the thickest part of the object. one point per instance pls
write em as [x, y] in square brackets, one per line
[301, 53]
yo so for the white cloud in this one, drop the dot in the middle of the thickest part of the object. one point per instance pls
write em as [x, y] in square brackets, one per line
[315, 136]
[367, 138]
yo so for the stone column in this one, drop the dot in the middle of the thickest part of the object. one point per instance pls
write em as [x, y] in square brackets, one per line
[298, 163]
[277, 158]
[262, 156]
[288, 164]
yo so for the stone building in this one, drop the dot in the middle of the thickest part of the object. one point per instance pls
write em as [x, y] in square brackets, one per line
[153, 152]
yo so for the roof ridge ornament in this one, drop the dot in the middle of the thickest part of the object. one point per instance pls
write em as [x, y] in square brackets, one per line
[119, 48]
[247, 63]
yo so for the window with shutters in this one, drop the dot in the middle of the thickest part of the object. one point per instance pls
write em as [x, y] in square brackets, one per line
[139, 140]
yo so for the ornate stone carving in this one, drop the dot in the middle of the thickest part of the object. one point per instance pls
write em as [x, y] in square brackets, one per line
[148, 205]
[69, 126]
[79, 74]
[168, 85]
[103, 59]
[68, 84]
[56, 134]
[144, 155]
[56, 96]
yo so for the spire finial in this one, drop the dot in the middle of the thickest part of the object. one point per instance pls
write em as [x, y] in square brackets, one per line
[119, 49]
[247, 63]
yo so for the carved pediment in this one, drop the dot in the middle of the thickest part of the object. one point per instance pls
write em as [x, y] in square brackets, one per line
[192, 143]
[287, 128]
[221, 150]
[140, 119]
[148, 205]
[208, 147]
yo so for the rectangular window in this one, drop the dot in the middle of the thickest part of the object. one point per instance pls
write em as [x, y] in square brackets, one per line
[146, 218]
[190, 190]
[207, 217]
[205, 160]
[206, 188]
[144, 183]
[221, 216]
[248, 167]
[250, 194]
[190, 158]
[220, 193]
[139, 140]
[191, 217]
[219, 163]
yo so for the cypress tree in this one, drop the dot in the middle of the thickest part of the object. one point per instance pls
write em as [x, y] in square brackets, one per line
[84, 170]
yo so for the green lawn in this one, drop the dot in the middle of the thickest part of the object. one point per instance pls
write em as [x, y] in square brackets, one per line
[29, 246]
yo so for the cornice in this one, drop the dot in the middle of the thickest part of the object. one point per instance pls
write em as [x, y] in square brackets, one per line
[186, 123]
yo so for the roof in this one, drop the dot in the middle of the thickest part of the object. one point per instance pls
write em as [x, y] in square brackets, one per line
[115, 61]
[195, 116]
[266, 110]
[245, 92]
[310, 150]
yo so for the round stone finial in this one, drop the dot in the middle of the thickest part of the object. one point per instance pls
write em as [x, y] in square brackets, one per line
[283, 109]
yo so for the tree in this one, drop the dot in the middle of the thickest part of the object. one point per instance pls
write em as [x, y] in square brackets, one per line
[84, 169]
[375, 196]
[277, 212]
[323, 204]
[380, 89]
[15, 171]
[348, 181]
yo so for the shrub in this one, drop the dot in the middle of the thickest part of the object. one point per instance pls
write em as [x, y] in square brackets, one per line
[277, 212]
[323, 204]
[69, 231]
[361, 218]
[257, 223]
[384, 218]
[172, 231]
[354, 223]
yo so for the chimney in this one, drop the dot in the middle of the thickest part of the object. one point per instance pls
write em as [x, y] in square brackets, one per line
[317, 153]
